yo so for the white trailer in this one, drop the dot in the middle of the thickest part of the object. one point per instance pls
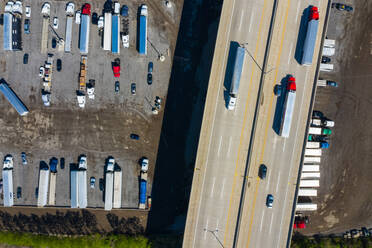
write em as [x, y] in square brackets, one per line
[328, 51]
[310, 175]
[309, 183]
[326, 67]
[307, 192]
[315, 130]
[306, 207]
[107, 28]
[310, 168]
[288, 107]
[313, 152]
[74, 188]
[329, 43]
[52, 189]
[82, 188]
[321, 83]
[117, 188]
[311, 160]
[8, 187]
[43, 187]
[68, 35]
[109, 183]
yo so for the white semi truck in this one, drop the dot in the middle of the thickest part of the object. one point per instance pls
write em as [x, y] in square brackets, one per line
[235, 81]
[109, 184]
[288, 107]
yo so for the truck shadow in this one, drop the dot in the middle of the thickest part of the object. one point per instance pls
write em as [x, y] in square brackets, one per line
[279, 106]
[229, 70]
[302, 34]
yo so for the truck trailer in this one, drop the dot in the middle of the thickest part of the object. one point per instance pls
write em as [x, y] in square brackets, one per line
[8, 181]
[143, 191]
[309, 44]
[309, 183]
[235, 81]
[320, 131]
[13, 98]
[115, 40]
[310, 168]
[288, 107]
[107, 28]
[68, 35]
[142, 46]
[310, 175]
[322, 144]
[307, 192]
[313, 152]
[311, 160]
[306, 207]
[109, 183]
[322, 123]
[117, 188]
[84, 29]
[43, 186]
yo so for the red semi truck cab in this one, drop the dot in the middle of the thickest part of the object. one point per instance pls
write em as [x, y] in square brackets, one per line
[291, 86]
[86, 9]
[314, 13]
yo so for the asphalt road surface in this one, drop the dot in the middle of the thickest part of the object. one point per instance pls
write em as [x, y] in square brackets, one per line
[225, 134]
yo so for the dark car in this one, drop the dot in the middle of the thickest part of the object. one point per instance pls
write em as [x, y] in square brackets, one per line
[59, 64]
[117, 86]
[95, 18]
[332, 83]
[262, 171]
[278, 90]
[149, 78]
[269, 201]
[54, 43]
[101, 184]
[19, 192]
[124, 11]
[133, 88]
[134, 136]
[24, 158]
[53, 165]
[25, 58]
[36, 192]
[326, 60]
[27, 26]
[318, 114]
[365, 232]
[62, 163]
[150, 67]
[341, 6]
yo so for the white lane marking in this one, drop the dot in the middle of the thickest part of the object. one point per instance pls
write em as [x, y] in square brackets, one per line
[212, 191]
[297, 11]
[218, 222]
[206, 230]
[275, 142]
[285, 142]
[268, 182]
[290, 52]
[277, 184]
[219, 147]
[271, 222]
[262, 221]
[228, 149]
[223, 187]
[251, 22]
[241, 19]
[210, 139]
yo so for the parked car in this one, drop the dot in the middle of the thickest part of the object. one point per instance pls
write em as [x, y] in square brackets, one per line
[262, 171]
[55, 22]
[150, 67]
[27, 26]
[117, 86]
[41, 71]
[269, 201]
[133, 88]
[25, 58]
[124, 11]
[326, 59]
[144, 164]
[149, 78]
[24, 158]
[59, 64]
[62, 163]
[101, 184]
[332, 83]
[341, 6]
[92, 182]
[19, 192]
[149, 73]
[28, 11]
[134, 136]
[95, 18]
[318, 114]
[54, 43]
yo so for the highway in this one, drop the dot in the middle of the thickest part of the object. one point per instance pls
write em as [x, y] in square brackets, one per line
[225, 135]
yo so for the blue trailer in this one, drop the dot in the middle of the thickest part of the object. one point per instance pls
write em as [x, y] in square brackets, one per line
[84, 29]
[142, 47]
[143, 189]
[7, 35]
[13, 98]
[309, 44]
[115, 40]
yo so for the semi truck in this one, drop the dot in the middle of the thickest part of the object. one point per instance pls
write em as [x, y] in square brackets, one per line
[322, 123]
[307, 192]
[310, 168]
[109, 184]
[142, 46]
[311, 160]
[8, 181]
[309, 183]
[143, 190]
[288, 107]
[84, 29]
[115, 40]
[117, 188]
[317, 144]
[107, 28]
[309, 44]
[43, 186]
[310, 175]
[326, 67]
[320, 131]
[235, 81]
[306, 207]
[70, 9]
[313, 152]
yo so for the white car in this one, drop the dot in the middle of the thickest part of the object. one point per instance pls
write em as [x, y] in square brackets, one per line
[83, 162]
[28, 11]
[100, 22]
[55, 22]
[45, 10]
[41, 71]
[77, 17]
[70, 8]
[144, 164]
[125, 39]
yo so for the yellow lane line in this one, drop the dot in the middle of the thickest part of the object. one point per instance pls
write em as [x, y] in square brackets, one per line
[268, 119]
[243, 128]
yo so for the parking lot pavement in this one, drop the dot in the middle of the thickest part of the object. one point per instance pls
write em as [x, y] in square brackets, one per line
[102, 128]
